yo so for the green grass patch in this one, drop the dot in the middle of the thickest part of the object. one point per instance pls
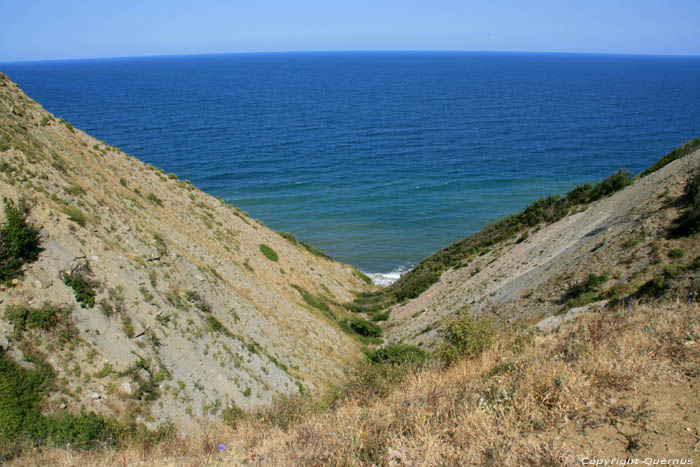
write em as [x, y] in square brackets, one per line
[317, 301]
[76, 215]
[362, 276]
[269, 253]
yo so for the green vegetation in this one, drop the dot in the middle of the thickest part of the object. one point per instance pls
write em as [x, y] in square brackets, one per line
[269, 253]
[154, 199]
[5, 143]
[676, 253]
[362, 276]
[587, 291]
[689, 222]
[317, 301]
[75, 190]
[397, 355]
[543, 211]
[23, 391]
[83, 287]
[466, 336]
[146, 386]
[22, 317]
[161, 247]
[76, 215]
[19, 241]
[680, 151]
[47, 317]
[311, 249]
[361, 326]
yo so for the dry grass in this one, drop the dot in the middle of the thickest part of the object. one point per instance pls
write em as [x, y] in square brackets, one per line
[508, 406]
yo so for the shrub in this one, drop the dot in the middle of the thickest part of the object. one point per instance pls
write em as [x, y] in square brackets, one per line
[398, 354]
[19, 241]
[689, 222]
[161, 247]
[676, 253]
[269, 253]
[22, 394]
[23, 317]
[76, 215]
[362, 327]
[466, 336]
[83, 287]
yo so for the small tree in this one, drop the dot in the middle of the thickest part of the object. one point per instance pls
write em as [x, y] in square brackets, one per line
[19, 241]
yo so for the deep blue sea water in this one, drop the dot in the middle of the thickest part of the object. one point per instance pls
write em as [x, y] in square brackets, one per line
[379, 158]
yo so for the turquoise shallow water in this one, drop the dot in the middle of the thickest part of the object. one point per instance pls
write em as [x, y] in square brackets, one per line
[379, 158]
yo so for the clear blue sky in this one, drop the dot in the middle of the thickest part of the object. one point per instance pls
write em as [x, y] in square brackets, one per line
[50, 29]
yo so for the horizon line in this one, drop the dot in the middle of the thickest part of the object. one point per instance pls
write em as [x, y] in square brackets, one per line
[340, 51]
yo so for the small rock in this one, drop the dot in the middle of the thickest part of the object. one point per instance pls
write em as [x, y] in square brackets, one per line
[95, 395]
[689, 343]
[126, 386]
[38, 284]
[95, 258]
[200, 278]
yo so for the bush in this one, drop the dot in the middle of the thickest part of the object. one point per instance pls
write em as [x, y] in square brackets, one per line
[19, 241]
[22, 394]
[76, 215]
[362, 327]
[689, 222]
[466, 336]
[398, 354]
[83, 287]
[269, 253]
[23, 317]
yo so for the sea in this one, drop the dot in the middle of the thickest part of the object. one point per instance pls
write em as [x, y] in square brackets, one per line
[379, 158]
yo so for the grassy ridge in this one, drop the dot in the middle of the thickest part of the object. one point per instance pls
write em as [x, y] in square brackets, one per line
[681, 151]
[543, 211]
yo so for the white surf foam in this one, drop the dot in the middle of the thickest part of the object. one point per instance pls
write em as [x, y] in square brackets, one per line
[387, 278]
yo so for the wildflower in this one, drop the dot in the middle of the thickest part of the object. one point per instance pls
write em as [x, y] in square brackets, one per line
[221, 447]
[629, 310]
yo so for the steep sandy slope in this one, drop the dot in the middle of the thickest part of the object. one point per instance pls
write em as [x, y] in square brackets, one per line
[621, 237]
[198, 307]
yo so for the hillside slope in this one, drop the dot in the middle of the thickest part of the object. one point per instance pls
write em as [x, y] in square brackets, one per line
[179, 304]
[604, 250]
